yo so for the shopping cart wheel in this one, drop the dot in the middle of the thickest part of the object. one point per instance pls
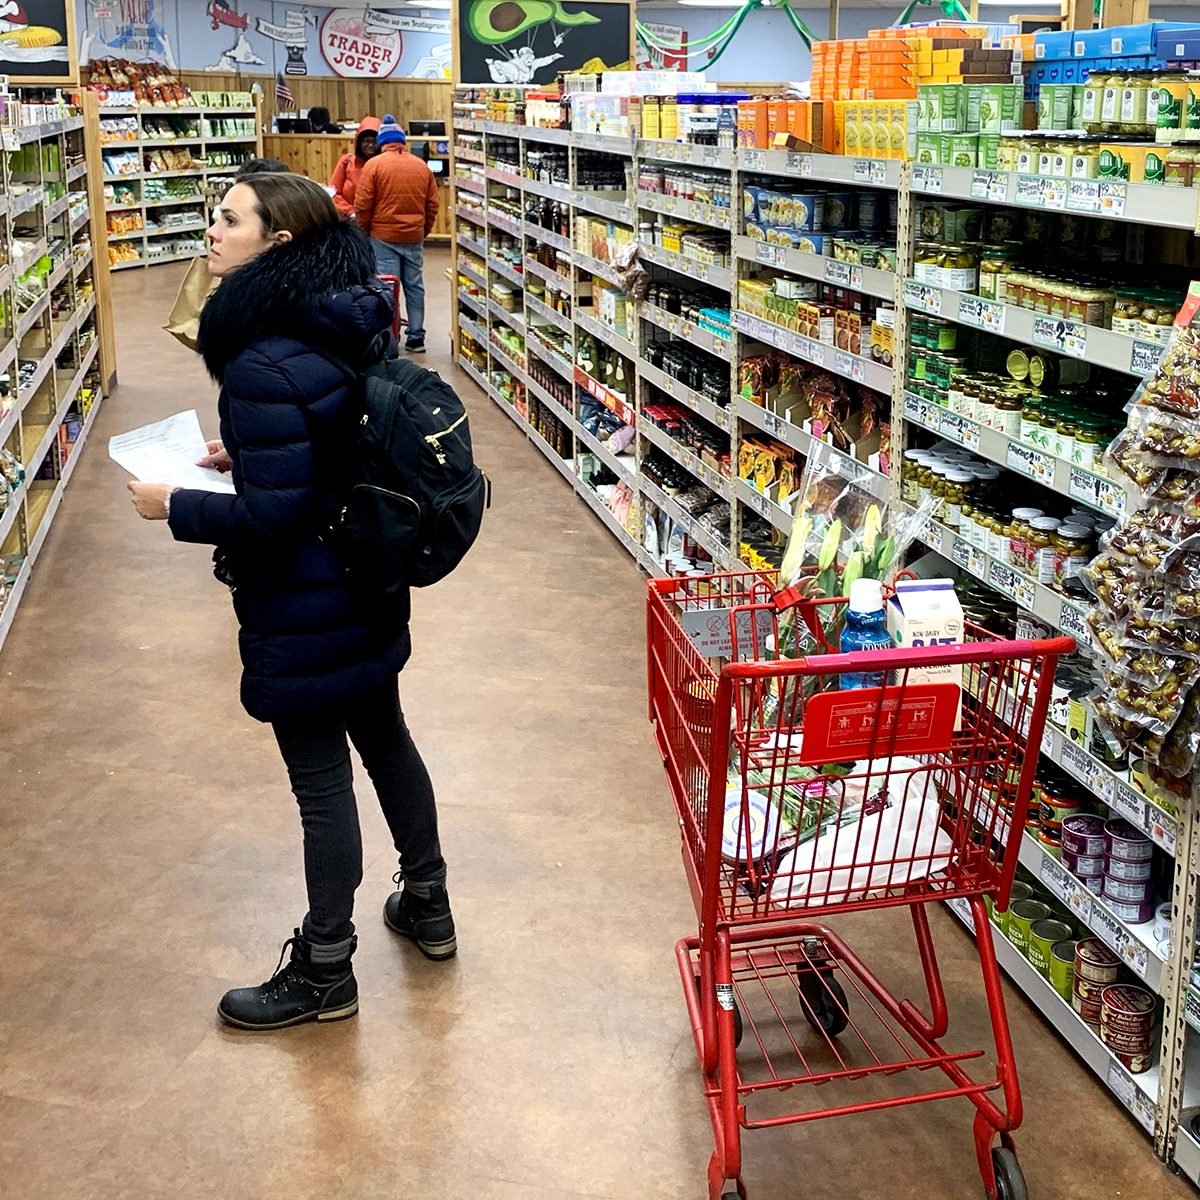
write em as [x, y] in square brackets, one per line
[1010, 1181]
[824, 1001]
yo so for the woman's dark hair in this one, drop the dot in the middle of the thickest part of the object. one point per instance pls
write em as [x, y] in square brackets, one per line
[291, 202]
[318, 118]
[260, 166]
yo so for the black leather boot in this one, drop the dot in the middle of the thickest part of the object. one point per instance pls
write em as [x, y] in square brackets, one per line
[299, 991]
[421, 912]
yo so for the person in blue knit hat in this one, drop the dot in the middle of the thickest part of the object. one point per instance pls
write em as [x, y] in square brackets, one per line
[396, 203]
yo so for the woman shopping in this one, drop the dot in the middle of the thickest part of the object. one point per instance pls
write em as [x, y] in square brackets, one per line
[344, 179]
[320, 662]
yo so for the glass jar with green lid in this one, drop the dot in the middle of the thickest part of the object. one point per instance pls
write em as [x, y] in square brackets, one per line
[1063, 445]
[1088, 443]
[995, 265]
[1043, 552]
[1074, 548]
[1031, 414]
[985, 404]
[1042, 438]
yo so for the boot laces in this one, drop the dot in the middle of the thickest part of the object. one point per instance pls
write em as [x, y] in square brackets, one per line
[281, 975]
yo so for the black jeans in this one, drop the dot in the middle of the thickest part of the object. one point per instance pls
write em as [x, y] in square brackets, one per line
[317, 755]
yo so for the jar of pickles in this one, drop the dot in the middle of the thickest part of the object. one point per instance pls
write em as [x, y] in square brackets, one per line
[1074, 548]
[1018, 537]
[1089, 443]
[910, 468]
[1043, 556]
[1006, 414]
[956, 492]
[996, 263]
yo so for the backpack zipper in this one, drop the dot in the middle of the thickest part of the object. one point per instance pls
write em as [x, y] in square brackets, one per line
[432, 439]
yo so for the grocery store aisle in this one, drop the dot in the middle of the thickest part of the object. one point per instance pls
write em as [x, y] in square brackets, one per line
[149, 854]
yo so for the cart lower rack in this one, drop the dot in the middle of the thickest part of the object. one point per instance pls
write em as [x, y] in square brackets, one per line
[802, 793]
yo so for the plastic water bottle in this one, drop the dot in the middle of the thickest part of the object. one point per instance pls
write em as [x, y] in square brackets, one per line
[865, 628]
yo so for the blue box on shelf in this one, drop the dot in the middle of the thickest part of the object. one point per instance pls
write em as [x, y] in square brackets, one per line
[1049, 46]
[1178, 45]
[1141, 40]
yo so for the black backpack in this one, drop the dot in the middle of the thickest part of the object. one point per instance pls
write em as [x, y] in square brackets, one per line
[416, 498]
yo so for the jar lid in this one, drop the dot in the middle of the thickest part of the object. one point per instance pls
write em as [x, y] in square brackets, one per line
[1075, 531]
[960, 476]
[1028, 514]
[1045, 524]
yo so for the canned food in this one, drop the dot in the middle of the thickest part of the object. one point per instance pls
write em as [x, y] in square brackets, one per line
[1088, 989]
[1089, 1010]
[1021, 917]
[1082, 865]
[1093, 883]
[1126, 1023]
[1062, 967]
[1048, 839]
[1019, 891]
[1094, 961]
[1043, 935]
[1083, 834]
[1132, 891]
[1122, 840]
[1056, 807]
[1131, 911]
[1118, 868]
[1162, 922]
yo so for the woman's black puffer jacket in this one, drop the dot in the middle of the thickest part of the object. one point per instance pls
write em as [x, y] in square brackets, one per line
[288, 418]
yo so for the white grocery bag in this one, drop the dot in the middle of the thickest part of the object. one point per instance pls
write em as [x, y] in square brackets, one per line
[852, 858]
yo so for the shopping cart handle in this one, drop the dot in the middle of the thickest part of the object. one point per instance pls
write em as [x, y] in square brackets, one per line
[903, 657]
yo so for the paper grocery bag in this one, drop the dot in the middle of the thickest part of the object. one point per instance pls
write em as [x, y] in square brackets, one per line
[197, 286]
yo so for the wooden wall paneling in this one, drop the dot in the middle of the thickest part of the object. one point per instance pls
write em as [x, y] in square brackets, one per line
[98, 225]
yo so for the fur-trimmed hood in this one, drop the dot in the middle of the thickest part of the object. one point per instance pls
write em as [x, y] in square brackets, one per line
[320, 287]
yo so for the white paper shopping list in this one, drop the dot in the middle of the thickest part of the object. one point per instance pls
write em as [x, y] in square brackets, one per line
[166, 452]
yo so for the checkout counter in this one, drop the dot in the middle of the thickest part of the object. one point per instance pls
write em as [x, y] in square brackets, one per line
[316, 155]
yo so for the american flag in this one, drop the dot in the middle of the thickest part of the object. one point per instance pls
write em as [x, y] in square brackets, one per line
[284, 100]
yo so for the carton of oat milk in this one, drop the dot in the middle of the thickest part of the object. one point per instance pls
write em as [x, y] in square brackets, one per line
[926, 612]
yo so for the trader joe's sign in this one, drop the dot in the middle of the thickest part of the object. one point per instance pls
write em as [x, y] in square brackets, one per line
[357, 46]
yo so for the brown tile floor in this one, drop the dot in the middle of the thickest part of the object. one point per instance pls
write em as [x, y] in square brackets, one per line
[150, 859]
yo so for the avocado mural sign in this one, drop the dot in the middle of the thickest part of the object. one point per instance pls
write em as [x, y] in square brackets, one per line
[528, 42]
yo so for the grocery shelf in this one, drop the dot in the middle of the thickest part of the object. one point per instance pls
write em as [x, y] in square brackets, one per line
[1134, 943]
[183, 141]
[624, 467]
[30, 257]
[1187, 1154]
[20, 203]
[472, 303]
[869, 280]
[750, 496]
[503, 221]
[500, 175]
[473, 275]
[604, 142]
[1097, 491]
[547, 236]
[478, 186]
[1146, 204]
[610, 337]
[697, 532]
[606, 515]
[1096, 346]
[852, 366]
[1045, 603]
[194, 227]
[78, 171]
[606, 396]
[593, 266]
[537, 308]
[127, 263]
[716, 157]
[56, 209]
[789, 434]
[466, 365]
[29, 318]
[1112, 787]
[474, 215]
[714, 343]
[506, 360]
[551, 191]
[554, 137]
[687, 210]
[825, 168]
[536, 389]
[711, 478]
[499, 267]
[548, 355]
[34, 133]
[559, 282]
[718, 277]
[513, 320]
[478, 332]
[469, 155]
[667, 384]
[1138, 1093]
[561, 465]
[469, 243]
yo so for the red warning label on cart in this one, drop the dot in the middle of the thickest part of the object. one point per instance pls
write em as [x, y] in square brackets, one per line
[879, 722]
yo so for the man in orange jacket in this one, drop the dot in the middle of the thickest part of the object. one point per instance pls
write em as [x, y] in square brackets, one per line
[396, 202]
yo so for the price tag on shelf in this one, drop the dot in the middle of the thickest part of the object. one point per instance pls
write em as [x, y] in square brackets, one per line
[710, 155]
[960, 553]
[1071, 621]
[922, 296]
[1115, 934]
[1007, 581]
[772, 422]
[837, 272]
[1083, 195]
[700, 268]
[1164, 829]
[1110, 496]
[1112, 198]
[856, 277]
[958, 429]
[970, 311]
[754, 160]
[862, 170]
[1144, 356]
[1129, 804]
[760, 503]
[878, 173]
[979, 184]
[1029, 191]
[800, 164]
[1077, 761]
[916, 409]
[959, 906]
[927, 179]
[1054, 875]
[1028, 461]
[1066, 337]
[1054, 193]
[771, 256]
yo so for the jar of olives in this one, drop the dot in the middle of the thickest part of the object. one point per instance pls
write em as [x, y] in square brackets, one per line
[1043, 551]
[1073, 550]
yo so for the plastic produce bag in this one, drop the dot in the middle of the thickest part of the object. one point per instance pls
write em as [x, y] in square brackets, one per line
[888, 838]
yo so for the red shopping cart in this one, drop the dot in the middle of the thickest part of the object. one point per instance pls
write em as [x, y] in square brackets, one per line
[796, 800]
[398, 319]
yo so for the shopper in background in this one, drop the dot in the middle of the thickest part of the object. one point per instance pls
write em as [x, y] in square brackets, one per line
[319, 121]
[344, 179]
[397, 204]
[320, 662]
[183, 323]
